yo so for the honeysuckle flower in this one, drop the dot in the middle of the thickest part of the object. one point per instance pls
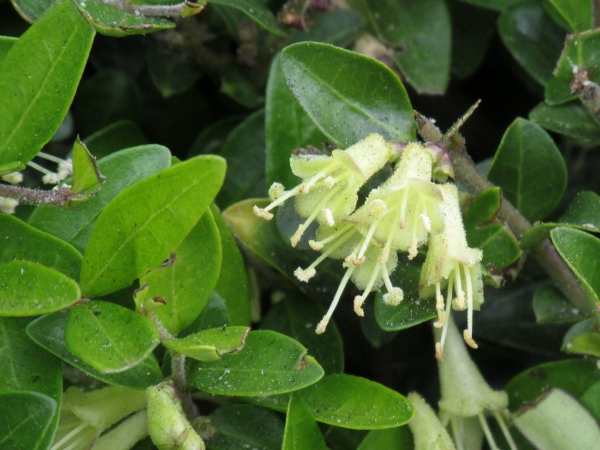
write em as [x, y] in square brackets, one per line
[65, 168]
[330, 184]
[465, 394]
[427, 430]
[410, 203]
[85, 415]
[451, 264]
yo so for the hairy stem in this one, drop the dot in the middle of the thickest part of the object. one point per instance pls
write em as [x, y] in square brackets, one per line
[57, 197]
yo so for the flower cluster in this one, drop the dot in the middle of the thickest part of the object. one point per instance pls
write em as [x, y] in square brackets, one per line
[409, 210]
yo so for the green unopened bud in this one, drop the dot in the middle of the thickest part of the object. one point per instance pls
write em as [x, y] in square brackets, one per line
[168, 426]
[428, 432]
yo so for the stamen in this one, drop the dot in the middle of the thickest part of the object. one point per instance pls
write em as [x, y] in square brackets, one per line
[304, 274]
[412, 251]
[48, 157]
[367, 239]
[13, 177]
[457, 433]
[276, 191]
[8, 205]
[67, 437]
[469, 339]
[334, 236]
[439, 352]
[360, 299]
[39, 168]
[323, 323]
[459, 301]
[302, 228]
[386, 279]
[329, 182]
[439, 306]
[394, 297]
[262, 213]
[426, 222]
[505, 431]
[469, 283]
[487, 432]
[329, 220]
[305, 187]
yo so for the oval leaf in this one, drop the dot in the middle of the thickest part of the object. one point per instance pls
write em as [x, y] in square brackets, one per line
[177, 291]
[530, 170]
[356, 403]
[210, 345]
[26, 418]
[570, 119]
[301, 430]
[49, 332]
[256, 11]
[269, 364]
[108, 337]
[30, 289]
[347, 95]
[38, 79]
[143, 224]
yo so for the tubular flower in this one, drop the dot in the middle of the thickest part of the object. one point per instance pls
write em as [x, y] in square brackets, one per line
[411, 202]
[330, 184]
[466, 395]
[450, 263]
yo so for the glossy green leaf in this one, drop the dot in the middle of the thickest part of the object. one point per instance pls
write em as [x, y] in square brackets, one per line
[176, 291]
[420, 31]
[486, 232]
[357, 403]
[580, 50]
[30, 289]
[578, 15]
[287, 127]
[347, 95]
[22, 241]
[581, 252]
[49, 332]
[297, 316]
[591, 399]
[550, 306]
[172, 72]
[214, 315]
[340, 27]
[557, 421]
[585, 344]
[301, 430]
[87, 178]
[399, 438]
[151, 218]
[570, 119]
[211, 138]
[117, 136]
[256, 11]
[6, 43]
[232, 285]
[26, 419]
[530, 170]
[244, 150]
[270, 363]
[236, 83]
[113, 21]
[122, 170]
[210, 345]
[412, 310]
[245, 426]
[38, 79]
[109, 337]
[33, 10]
[533, 38]
[574, 376]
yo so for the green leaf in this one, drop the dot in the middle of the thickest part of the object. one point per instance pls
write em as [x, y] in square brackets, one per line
[347, 95]
[498, 5]
[301, 430]
[287, 127]
[87, 178]
[210, 345]
[213, 315]
[580, 50]
[573, 375]
[109, 337]
[117, 136]
[399, 438]
[22, 241]
[585, 344]
[269, 364]
[113, 21]
[245, 426]
[256, 11]
[30, 289]
[244, 150]
[530, 170]
[176, 291]
[412, 310]
[532, 37]
[550, 306]
[49, 332]
[591, 399]
[33, 10]
[557, 421]
[171, 72]
[38, 79]
[122, 170]
[236, 83]
[420, 31]
[140, 227]
[210, 139]
[570, 119]
[26, 420]
[232, 285]
[6, 43]
[581, 252]
[297, 316]
[576, 14]
[484, 231]
[357, 403]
